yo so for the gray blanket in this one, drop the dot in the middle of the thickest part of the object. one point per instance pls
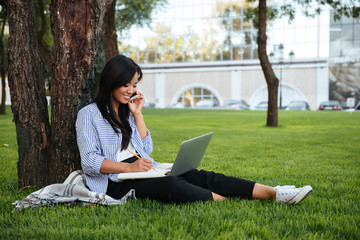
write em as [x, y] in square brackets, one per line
[72, 192]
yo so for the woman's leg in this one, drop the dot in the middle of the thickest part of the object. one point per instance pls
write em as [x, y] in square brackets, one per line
[220, 185]
[203, 186]
[166, 189]
[263, 192]
[282, 194]
[223, 186]
[218, 197]
[260, 192]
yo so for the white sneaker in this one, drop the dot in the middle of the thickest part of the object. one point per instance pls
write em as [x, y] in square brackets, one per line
[291, 195]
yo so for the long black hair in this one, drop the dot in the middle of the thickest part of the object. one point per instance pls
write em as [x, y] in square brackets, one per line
[117, 72]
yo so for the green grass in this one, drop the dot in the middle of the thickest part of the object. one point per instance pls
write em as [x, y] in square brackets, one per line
[317, 148]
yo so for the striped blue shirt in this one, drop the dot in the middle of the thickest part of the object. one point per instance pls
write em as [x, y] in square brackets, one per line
[97, 140]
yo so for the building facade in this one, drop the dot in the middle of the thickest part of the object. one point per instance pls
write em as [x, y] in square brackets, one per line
[206, 50]
[197, 50]
[344, 59]
[189, 83]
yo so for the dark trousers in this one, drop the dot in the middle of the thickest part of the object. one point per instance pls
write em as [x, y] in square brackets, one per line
[192, 186]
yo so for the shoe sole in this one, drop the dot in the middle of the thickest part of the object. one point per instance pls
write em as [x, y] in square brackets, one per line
[304, 193]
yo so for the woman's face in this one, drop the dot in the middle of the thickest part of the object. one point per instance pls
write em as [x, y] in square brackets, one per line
[123, 94]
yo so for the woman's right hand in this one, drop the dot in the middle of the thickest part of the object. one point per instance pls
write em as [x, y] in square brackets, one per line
[140, 165]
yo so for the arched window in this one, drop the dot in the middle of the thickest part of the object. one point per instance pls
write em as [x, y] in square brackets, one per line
[191, 96]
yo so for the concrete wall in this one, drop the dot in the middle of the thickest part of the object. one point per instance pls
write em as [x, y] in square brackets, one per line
[300, 80]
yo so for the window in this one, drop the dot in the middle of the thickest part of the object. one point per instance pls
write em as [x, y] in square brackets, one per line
[193, 95]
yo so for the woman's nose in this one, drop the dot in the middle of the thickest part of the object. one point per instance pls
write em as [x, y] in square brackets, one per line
[131, 90]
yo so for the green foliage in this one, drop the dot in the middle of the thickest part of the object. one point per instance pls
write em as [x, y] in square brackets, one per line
[130, 12]
[349, 8]
[316, 148]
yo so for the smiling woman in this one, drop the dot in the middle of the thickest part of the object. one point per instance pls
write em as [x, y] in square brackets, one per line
[113, 126]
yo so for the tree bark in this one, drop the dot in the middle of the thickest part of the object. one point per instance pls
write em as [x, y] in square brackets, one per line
[271, 80]
[109, 32]
[28, 98]
[76, 26]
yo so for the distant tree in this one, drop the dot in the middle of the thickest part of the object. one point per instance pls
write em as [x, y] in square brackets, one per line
[121, 15]
[44, 37]
[167, 47]
[262, 13]
[109, 36]
[3, 59]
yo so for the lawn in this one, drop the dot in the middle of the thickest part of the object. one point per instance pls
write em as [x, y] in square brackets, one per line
[317, 148]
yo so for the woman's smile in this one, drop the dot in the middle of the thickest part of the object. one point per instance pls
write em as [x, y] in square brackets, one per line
[122, 94]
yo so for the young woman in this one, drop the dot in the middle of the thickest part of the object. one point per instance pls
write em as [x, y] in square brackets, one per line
[111, 126]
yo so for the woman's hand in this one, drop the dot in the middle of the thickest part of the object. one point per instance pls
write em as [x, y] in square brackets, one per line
[136, 105]
[135, 108]
[140, 165]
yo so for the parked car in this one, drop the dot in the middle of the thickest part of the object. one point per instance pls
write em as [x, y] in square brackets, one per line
[180, 105]
[236, 104]
[298, 105]
[261, 106]
[206, 103]
[330, 105]
[149, 105]
[344, 106]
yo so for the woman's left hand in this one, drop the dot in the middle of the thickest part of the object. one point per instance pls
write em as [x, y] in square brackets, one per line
[136, 105]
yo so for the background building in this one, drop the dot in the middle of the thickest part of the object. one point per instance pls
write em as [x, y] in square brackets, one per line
[344, 59]
[197, 49]
[206, 50]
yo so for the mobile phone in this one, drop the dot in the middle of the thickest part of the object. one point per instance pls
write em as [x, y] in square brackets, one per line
[134, 96]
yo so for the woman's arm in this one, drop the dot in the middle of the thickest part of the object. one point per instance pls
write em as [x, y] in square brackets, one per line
[140, 124]
[140, 165]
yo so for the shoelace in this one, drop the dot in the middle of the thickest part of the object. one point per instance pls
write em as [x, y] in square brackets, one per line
[284, 187]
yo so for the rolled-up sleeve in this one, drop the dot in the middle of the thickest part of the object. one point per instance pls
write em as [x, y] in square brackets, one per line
[88, 143]
[147, 143]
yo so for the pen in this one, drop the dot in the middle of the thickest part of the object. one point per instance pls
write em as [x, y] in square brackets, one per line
[139, 158]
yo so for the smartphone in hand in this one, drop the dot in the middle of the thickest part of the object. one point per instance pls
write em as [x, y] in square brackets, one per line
[134, 96]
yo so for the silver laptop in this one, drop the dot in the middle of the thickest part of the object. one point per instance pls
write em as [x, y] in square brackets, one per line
[190, 154]
[188, 158]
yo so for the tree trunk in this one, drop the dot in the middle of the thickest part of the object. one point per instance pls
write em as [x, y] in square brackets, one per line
[2, 69]
[271, 80]
[76, 26]
[109, 32]
[44, 48]
[28, 98]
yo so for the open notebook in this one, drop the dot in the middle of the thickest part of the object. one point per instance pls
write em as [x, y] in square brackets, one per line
[189, 157]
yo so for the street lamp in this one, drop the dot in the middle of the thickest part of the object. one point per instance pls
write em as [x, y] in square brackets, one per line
[278, 55]
[271, 55]
[291, 55]
[281, 61]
